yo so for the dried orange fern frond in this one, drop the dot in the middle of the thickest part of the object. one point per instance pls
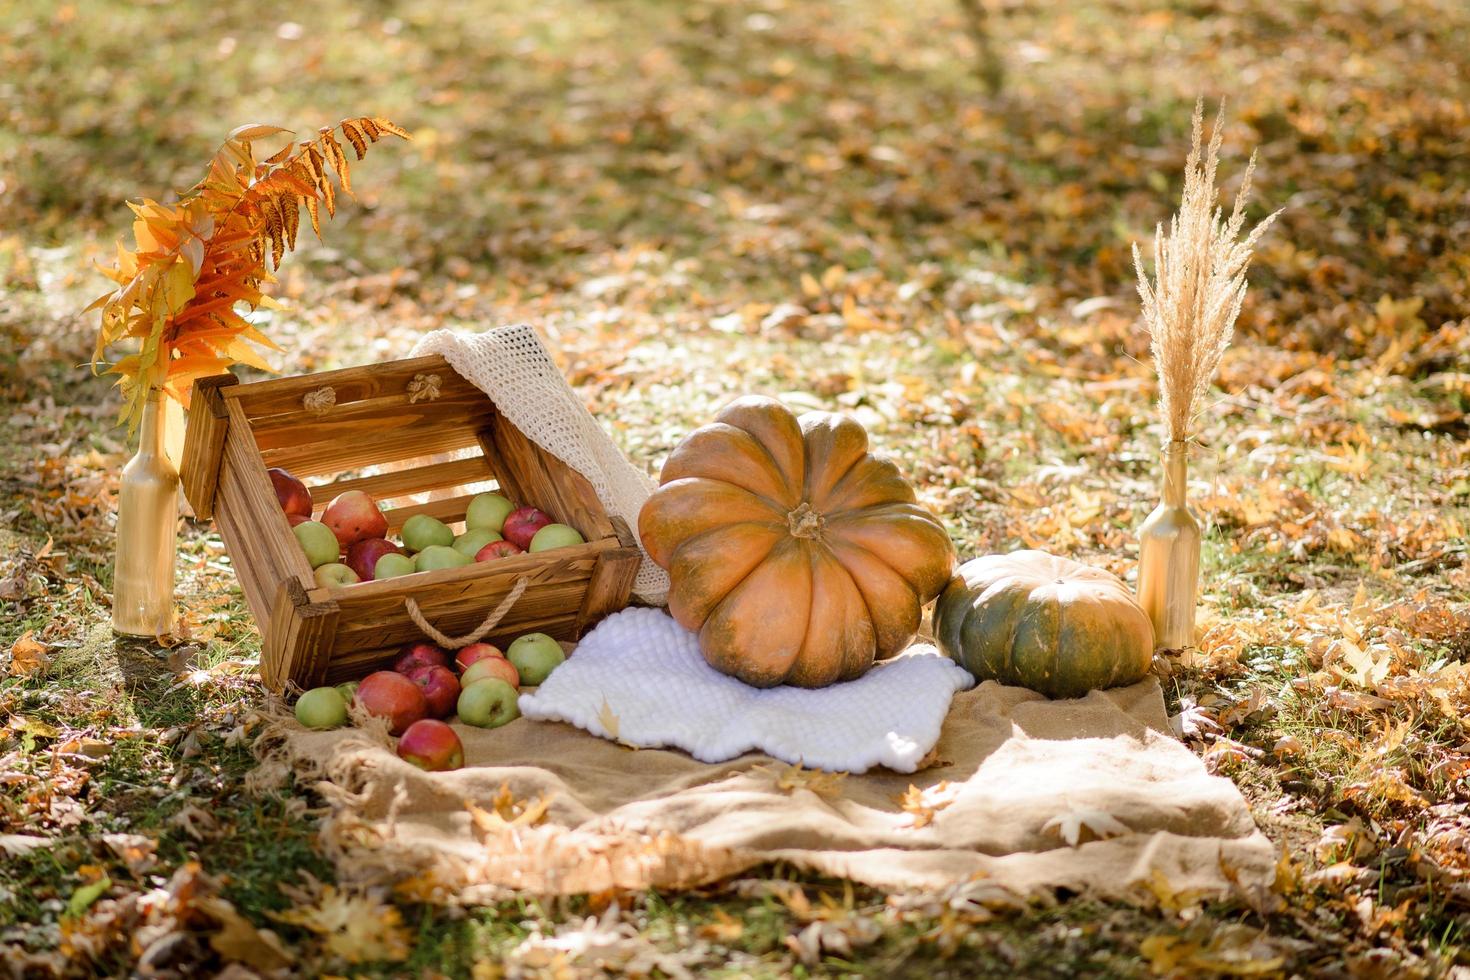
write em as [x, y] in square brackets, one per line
[1199, 282]
[194, 263]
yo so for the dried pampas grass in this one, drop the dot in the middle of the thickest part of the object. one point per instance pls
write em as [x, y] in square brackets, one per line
[1199, 283]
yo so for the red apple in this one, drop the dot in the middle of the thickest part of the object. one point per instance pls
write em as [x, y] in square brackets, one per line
[440, 687]
[291, 492]
[431, 745]
[392, 696]
[362, 556]
[420, 654]
[498, 549]
[522, 524]
[475, 651]
[497, 667]
[294, 519]
[354, 516]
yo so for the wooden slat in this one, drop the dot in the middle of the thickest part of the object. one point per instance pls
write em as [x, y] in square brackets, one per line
[297, 646]
[355, 664]
[535, 476]
[479, 578]
[610, 585]
[262, 547]
[400, 483]
[334, 456]
[536, 605]
[370, 418]
[204, 442]
[280, 395]
[449, 510]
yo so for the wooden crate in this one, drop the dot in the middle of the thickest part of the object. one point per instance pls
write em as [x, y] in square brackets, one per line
[311, 635]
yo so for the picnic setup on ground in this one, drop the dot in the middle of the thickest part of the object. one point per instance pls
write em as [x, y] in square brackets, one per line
[773, 651]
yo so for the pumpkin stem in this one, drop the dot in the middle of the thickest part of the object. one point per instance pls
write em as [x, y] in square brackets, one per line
[804, 522]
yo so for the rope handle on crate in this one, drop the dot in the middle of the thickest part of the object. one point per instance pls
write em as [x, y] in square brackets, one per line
[474, 635]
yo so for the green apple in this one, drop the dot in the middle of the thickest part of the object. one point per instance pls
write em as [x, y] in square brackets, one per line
[318, 541]
[534, 657]
[334, 575]
[488, 704]
[322, 707]
[555, 536]
[488, 510]
[393, 565]
[439, 556]
[422, 531]
[348, 690]
[470, 542]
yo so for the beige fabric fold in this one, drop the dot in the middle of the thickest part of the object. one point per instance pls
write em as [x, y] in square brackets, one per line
[1012, 771]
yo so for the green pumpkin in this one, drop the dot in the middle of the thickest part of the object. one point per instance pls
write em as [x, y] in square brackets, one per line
[1051, 624]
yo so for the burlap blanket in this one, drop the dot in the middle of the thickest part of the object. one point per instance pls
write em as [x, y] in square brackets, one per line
[1025, 794]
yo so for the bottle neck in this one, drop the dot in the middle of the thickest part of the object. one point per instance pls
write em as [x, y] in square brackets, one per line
[1176, 473]
[150, 429]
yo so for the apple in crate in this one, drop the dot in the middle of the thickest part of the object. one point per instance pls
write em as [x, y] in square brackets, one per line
[413, 656]
[440, 687]
[423, 531]
[496, 667]
[354, 516]
[291, 492]
[318, 542]
[534, 657]
[556, 536]
[498, 549]
[474, 652]
[321, 708]
[522, 524]
[488, 704]
[335, 575]
[389, 695]
[393, 565]
[431, 745]
[437, 556]
[488, 510]
[362, 556]
[472, 541]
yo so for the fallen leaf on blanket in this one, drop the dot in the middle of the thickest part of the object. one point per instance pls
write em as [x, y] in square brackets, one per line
[357, 926]
[507, 812]
[1077, 826]
[609, 721]
[27, 655]
[923, 804]
[1169, 898]
[792, 778]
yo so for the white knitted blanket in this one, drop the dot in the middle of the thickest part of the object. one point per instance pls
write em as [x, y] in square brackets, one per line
[639, 678]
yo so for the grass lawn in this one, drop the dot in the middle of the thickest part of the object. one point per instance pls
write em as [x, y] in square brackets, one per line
[697, 199]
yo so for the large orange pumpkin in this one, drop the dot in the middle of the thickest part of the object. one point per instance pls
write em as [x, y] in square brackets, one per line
[797, 555]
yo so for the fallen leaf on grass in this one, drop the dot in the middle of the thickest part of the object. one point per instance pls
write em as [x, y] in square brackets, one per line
[239, 941]
[1075, 825]
[356, 926]
[27, 655]
[724, 929]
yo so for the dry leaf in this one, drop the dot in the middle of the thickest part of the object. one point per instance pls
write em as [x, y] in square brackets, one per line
[1076, 826]
[792, 778]
[355, 926]
[27, 655]
[923, 804]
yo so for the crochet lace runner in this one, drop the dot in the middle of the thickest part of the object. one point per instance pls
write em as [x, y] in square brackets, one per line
[511, 366]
